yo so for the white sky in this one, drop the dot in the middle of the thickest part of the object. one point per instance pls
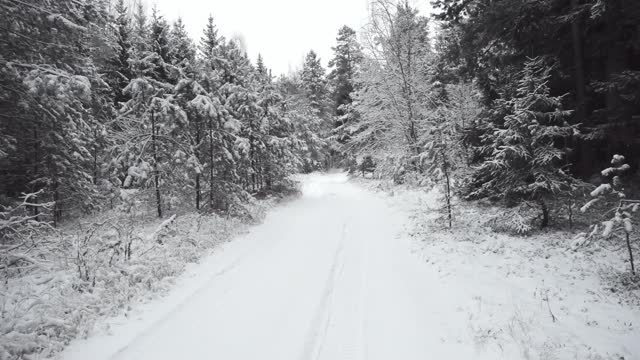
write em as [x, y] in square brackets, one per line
[283, 31]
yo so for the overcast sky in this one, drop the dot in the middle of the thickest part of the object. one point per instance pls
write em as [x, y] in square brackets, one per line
[283, 31]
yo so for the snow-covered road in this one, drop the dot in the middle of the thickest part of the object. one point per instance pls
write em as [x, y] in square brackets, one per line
[327, 276]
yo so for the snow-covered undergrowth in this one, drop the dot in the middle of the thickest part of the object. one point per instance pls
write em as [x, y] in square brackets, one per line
[534, 297]
[100, 267]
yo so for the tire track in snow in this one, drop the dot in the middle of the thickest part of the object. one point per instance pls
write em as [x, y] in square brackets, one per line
[362, 302]
[320, 323]
[182, 304]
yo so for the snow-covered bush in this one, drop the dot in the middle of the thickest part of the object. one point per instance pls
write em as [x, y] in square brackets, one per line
[97, 268]
[618, 211]
[21, 235]
[366, 165]
[514, 221]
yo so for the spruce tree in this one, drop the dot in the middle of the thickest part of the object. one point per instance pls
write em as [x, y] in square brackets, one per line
[182, 51]
[528, 152]
[49, 99]
[154, 145]
[140, 28]
[314, 83]
[347, 57]
[159, 47]
[121, 72]
[210, 39]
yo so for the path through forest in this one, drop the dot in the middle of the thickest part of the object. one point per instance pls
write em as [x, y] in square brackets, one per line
[327, 276]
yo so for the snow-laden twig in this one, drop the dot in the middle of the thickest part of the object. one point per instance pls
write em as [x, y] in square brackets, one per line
[159, 232]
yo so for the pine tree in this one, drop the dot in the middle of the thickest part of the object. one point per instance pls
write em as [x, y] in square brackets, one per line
[225, 76]
[347, 57]
[314, 83]
[121, 73]
[155, 143]
[193, 99]
[140, 28]
[210, 39]
[261, 71]
[159, 47]
[48, 99]
[526, 163]
[182, 51]
[309, 129]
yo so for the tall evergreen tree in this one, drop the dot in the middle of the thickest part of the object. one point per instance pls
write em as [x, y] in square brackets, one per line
[261, 70]
[347, 56]
[210, 39]
[121, 72]
[47, 100]
[182, 51]
[159, 51]
[314, 83]
[140, 27]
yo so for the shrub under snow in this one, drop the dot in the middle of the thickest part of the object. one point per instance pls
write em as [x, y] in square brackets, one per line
[86, 271]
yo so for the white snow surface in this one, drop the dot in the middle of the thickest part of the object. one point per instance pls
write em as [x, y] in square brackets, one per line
[336, 275]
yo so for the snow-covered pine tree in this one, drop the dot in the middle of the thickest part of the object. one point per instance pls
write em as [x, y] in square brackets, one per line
[140, 28]
[159, 55]
[309, 128]
[154, 143]
[314, 83]
[611, 193]
[344, 66]
[439, 157]
[209, 40]
[182, 51]
[224, 75]
[262, 73]
[279, 159]
[48, 96]
[242, 104]
[194, 100]
[528, 158]
[120, 72]
[309, 112]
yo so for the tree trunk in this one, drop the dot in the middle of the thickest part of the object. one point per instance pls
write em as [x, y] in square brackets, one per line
[571, 217]
[445, 169]
[197, 155]
[448, 195]
[156, 172]
[36, 159]
[56, 204]
[197, 191]
[576, 32]
[210, 164]
[633, 269]
[545, 214]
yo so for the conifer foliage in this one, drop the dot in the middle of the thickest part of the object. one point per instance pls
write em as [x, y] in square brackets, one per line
[94, 119]
[527, 150]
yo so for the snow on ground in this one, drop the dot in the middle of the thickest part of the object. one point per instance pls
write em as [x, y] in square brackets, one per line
[346, 273]
[528, 297]
[81, 275]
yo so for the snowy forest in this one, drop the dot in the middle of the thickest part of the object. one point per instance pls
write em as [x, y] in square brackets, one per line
[113, 119]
